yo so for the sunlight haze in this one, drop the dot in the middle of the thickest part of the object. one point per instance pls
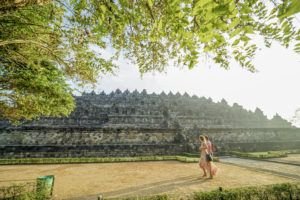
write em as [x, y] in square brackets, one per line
[274, 88]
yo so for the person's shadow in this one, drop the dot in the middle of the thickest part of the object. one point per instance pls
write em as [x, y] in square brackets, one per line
[150, 188]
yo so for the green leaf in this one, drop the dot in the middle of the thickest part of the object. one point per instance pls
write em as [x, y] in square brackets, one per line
[221, 9]
[236, 31]
[234, 23]
[292, 9]
[236, 42]
[150, 3]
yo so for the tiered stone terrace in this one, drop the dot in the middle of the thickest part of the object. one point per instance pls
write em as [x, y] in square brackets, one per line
[131, 124]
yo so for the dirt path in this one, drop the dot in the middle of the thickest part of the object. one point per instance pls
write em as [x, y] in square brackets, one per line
[113, 180]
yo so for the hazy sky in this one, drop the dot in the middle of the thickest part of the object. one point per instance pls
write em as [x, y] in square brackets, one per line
[274, 89]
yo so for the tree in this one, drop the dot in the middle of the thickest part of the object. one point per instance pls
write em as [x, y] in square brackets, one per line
[71, 36]
[278, 121]
[35, 90]
[38, 55]
[296, 118]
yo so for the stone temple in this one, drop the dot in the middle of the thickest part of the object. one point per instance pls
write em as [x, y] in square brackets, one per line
[136, 123]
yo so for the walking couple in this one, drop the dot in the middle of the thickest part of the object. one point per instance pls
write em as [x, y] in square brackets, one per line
[206, 159]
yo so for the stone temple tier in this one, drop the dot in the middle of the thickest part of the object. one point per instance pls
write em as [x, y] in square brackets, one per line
[141, 110]
[137, 124]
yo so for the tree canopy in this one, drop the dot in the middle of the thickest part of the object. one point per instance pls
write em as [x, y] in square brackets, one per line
[44, 44]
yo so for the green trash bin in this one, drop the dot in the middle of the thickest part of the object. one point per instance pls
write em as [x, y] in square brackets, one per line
[45, 186]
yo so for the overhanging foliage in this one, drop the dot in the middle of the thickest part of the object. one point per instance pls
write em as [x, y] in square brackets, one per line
[71, 35]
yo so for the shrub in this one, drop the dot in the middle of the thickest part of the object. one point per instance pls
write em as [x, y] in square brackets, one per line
[284, 191]
[197, 155]
[259, 155]
[24, 191]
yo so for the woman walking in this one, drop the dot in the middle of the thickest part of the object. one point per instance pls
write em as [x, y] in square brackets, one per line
[205, 162]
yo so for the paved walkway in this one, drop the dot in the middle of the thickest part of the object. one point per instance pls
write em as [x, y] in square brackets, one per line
[293, 159]
[281, 169]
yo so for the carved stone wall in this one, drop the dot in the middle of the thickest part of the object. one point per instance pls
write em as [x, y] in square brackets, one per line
[70, 142]
[85, 136]
[259, 139]
[104, 150]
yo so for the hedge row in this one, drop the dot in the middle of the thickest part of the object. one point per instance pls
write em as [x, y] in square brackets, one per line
[261, 155]
[193, 155]
[196, 155]
[265, 155]
[285, 191]
[292, 151]
[16, 161]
